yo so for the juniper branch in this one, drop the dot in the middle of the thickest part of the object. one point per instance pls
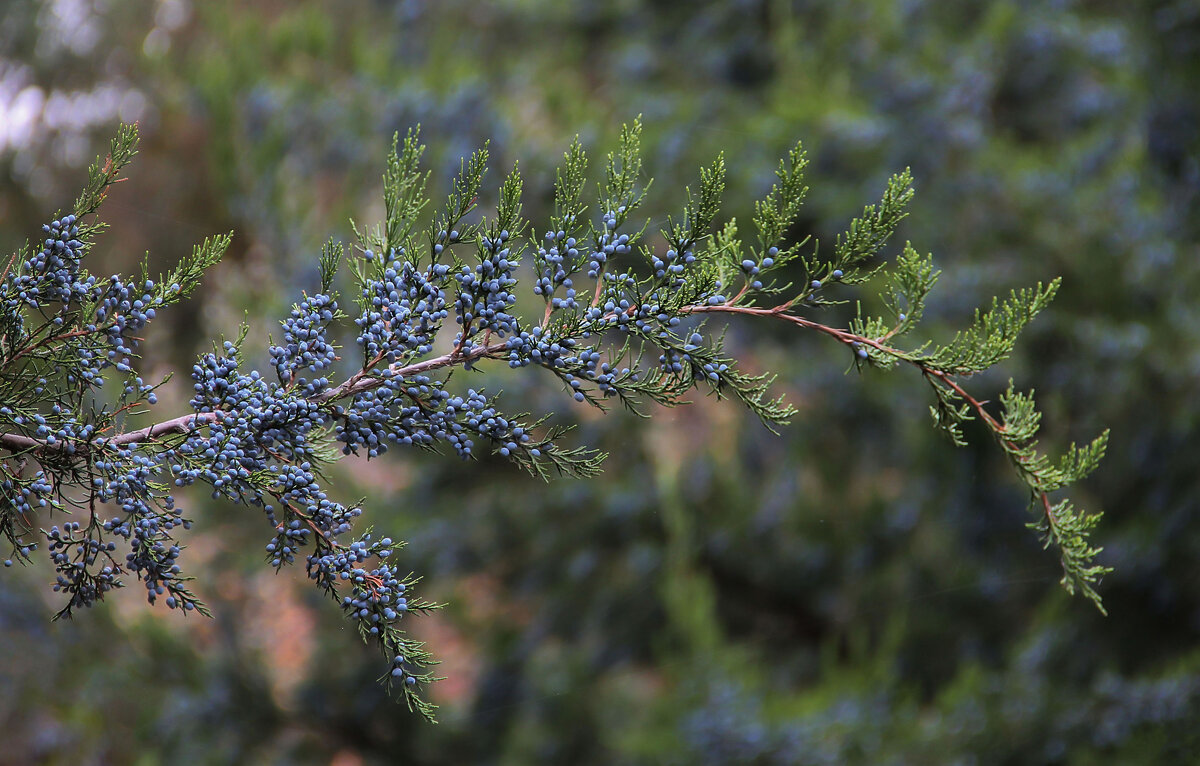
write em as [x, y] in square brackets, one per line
[263, 443]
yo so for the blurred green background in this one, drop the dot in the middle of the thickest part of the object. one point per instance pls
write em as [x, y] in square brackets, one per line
[853, 590]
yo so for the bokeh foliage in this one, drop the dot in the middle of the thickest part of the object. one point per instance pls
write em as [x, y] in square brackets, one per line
[852, 590]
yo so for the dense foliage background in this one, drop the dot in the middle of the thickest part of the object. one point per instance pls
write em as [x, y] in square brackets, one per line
[854, 590]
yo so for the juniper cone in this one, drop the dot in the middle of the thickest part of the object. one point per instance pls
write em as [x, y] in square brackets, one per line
[628, 320]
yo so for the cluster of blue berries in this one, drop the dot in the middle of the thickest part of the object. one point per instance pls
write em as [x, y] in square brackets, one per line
[671, 265]
[538, 347]
[119, 310]
[289, 538]
[364, 424]
[557, 261]
[751, 269]
[563, 356]
[257, 449]
[308, 510]
[477, 415]
[485, 292]
[253, 423]
[123, 310]
[378, 595]
[61, 429]
[74, 575]
[305, 344]
[27, 495]
[616, 311]
[403, 311]
[712, 369]
[608, 243]
[419, 411]
[15, 494]
[123, 477]
[51, 275]
[400, 411]
[250, 439]
[104, 317]
[693, 360]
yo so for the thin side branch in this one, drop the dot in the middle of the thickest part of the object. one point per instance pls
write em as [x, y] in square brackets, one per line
[853, 340]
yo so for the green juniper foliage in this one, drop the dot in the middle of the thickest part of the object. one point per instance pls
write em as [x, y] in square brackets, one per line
[620, 324]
